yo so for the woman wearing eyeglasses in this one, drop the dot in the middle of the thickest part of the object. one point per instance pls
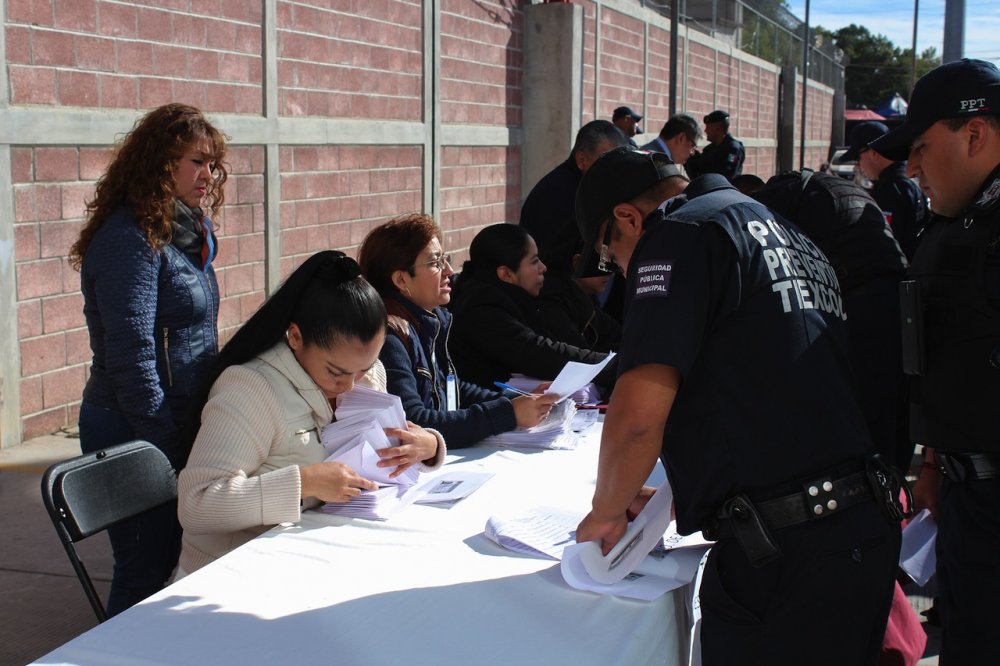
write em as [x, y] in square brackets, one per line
[403, 259]
[500, 325]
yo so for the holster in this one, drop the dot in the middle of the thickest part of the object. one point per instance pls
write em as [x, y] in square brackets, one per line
[739, 518]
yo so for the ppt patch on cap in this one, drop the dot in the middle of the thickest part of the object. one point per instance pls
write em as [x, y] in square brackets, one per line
[974, 105]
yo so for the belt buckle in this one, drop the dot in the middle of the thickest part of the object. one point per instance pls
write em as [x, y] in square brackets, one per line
[952, 467]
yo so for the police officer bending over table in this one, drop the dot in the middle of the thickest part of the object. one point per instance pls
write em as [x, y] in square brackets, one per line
[952, 138]
[733, 368]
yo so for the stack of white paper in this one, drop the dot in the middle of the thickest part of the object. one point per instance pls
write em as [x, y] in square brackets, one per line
[378, 504]
[555, 432]
[355, 438]
[544, 532]
[359, 432]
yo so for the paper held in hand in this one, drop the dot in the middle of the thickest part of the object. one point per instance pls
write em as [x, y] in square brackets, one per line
[574, 376]
[636, 567]
[359, 432]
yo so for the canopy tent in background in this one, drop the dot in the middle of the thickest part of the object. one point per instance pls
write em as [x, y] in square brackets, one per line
[861, 114]
[893, 107]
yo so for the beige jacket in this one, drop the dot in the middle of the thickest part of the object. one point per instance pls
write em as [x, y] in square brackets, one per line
[261, 421]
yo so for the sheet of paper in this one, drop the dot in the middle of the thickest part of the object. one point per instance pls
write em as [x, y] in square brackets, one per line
[543, 532]
[917, 556]
[452, 486]
[654, 578]
[574, 376]
[379, 504]
[361, 455]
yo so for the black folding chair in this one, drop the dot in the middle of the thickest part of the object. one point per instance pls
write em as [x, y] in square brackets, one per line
[87, 494]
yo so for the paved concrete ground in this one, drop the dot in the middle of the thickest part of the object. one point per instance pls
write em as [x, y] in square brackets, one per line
[42, 604]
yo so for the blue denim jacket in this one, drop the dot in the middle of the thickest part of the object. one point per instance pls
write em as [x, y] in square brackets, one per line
[417, 369]
[152, 318]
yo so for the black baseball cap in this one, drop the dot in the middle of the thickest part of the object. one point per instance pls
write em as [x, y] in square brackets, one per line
[863, 134]
[617, 176]
[717, 116]
[623, 111]
[957, 89]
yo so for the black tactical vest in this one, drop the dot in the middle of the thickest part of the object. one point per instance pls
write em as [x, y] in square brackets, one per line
[957, 265]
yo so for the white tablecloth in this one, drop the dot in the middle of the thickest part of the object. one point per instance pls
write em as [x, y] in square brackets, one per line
[426, 587]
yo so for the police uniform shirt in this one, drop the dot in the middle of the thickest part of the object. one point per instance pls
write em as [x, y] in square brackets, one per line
[725, 159]
[748, 310]
[957, 265]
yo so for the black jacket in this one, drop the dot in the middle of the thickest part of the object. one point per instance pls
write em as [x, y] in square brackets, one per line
[903, 204]
[726, 158]
[570, 315]
[549, 215]
[499, 330]
[957, 267]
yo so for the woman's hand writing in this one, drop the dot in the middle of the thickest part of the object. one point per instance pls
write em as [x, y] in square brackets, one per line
[332, 482]
[415, 445]
[530, 410]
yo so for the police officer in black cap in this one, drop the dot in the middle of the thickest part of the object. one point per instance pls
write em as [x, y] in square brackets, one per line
[723, 154]
[733, 369]
[951, 136]
[903, 204]
[627, 120]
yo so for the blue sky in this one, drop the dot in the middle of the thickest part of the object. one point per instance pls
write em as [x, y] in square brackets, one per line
[894, 19]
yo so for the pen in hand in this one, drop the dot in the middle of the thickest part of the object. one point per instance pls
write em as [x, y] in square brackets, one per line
[512, 389]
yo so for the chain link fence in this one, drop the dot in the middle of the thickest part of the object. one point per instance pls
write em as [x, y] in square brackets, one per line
[764, 28]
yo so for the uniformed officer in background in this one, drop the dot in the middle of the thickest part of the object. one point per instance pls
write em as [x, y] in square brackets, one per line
[903, 204]
[733, 368]
[952, 138]
[723, 154]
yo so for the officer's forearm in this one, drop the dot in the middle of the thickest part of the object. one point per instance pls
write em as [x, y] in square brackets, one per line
[633, 435]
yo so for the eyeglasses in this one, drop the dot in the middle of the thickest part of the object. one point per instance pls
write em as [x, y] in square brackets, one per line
[605, 263]
[436, 265]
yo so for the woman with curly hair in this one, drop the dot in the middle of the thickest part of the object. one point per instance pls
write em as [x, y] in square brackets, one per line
[151, 303]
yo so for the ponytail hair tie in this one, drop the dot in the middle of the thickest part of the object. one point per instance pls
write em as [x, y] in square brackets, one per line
[339, 269]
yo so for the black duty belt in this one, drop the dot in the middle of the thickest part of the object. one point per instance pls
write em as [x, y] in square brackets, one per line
[961, 467]
[751, 523]
[818, 499]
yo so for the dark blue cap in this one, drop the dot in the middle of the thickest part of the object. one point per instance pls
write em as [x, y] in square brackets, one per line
[863, 134]
[958, 89]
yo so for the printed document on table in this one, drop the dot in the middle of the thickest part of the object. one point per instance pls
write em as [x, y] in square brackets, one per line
[917, 556]
[452, 486]
[543, 532]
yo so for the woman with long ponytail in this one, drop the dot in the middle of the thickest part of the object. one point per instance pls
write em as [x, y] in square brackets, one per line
[255, 456]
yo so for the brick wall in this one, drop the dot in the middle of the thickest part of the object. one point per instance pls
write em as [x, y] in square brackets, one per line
[331, 196]
[96, 59]
[350, 60]
[105, 54]
[628, 45]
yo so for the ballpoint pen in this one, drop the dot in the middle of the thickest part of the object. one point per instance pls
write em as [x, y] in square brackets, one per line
[513, 389]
